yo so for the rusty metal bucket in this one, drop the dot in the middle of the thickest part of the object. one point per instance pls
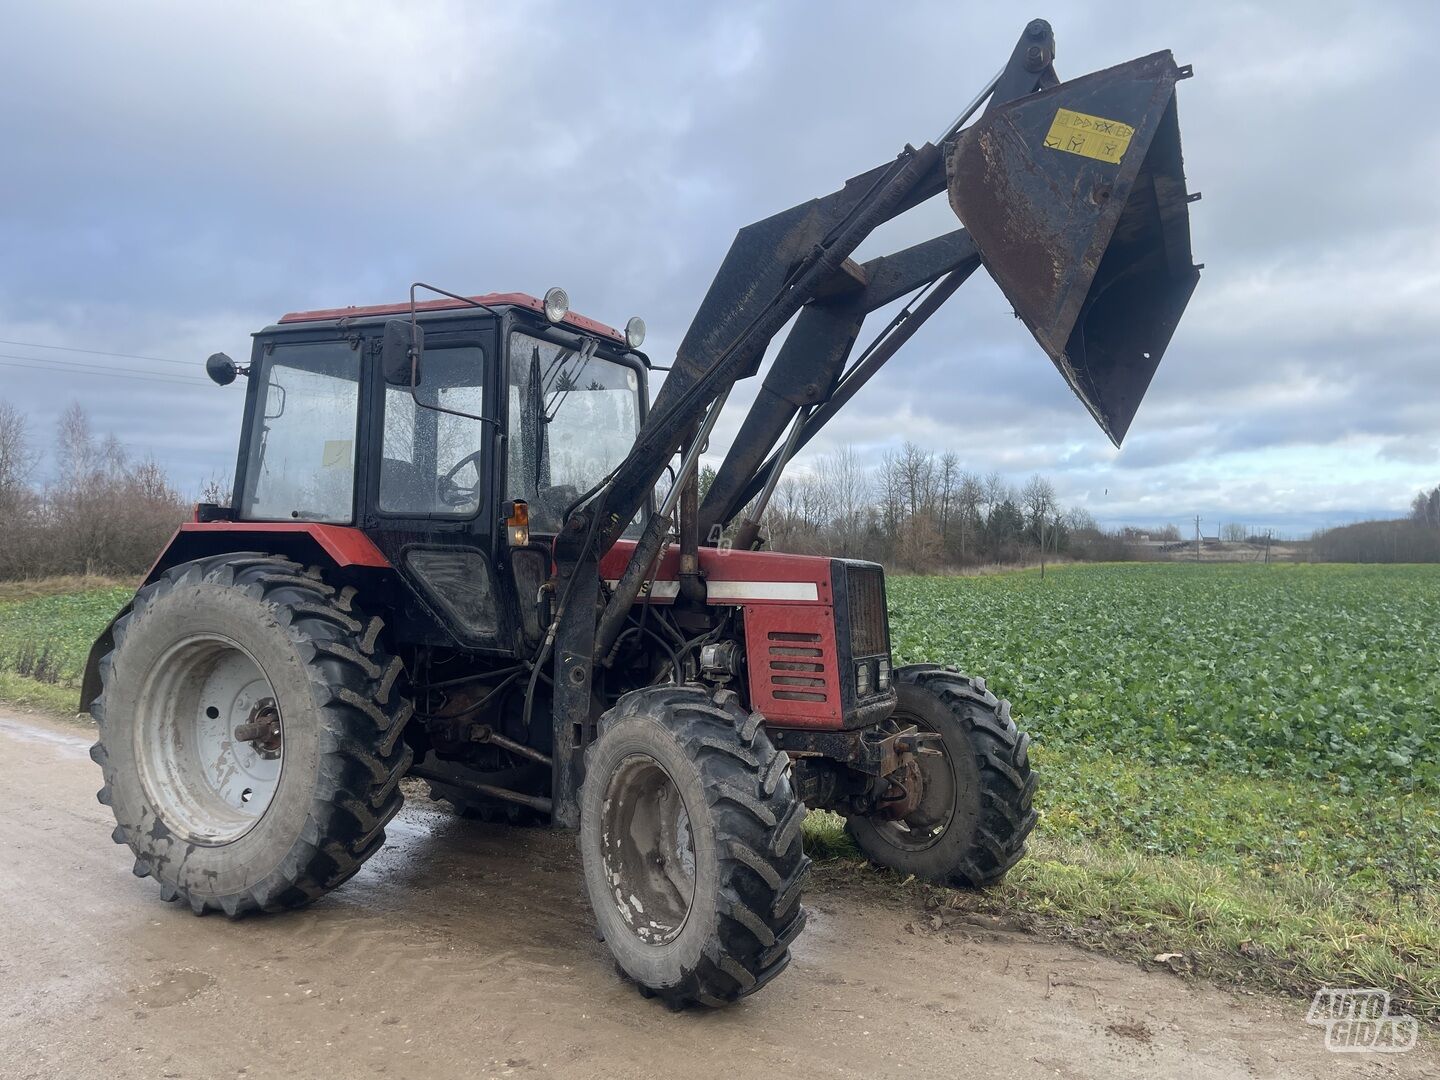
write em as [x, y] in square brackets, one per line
[1076, 199]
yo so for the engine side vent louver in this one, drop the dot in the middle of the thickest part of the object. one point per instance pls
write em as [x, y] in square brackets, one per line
[796, 667]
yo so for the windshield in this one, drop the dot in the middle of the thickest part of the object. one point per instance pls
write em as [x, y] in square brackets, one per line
[572, 419]
[302, 439]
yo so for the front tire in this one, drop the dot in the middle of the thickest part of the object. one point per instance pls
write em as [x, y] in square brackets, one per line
[690, 839]
[976, 808]
[253, 645]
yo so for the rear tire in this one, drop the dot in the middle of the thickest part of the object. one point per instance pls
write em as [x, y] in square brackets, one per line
[976, 811]
[202, 650]
[690, 838]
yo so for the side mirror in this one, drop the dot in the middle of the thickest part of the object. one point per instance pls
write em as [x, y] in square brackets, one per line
[400, 352]
[221, 369]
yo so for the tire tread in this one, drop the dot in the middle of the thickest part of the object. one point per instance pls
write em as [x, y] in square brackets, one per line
[362, 755]
[757, 818]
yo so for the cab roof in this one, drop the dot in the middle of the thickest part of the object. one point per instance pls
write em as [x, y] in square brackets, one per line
[496, 300]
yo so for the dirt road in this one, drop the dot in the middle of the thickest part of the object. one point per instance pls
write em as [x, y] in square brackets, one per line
[465, 950]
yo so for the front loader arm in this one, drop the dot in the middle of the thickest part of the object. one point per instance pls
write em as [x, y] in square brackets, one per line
[807, 371]
[1072, 196]
[773, 269]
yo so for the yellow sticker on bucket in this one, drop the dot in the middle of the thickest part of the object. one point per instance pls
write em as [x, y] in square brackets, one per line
[1089, 136]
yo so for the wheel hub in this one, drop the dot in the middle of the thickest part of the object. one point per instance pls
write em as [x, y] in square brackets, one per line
[922, 798]
[262, 730]
[210, 739]
[907, 788]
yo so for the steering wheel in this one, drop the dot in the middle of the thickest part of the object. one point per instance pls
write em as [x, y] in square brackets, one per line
[454, 493]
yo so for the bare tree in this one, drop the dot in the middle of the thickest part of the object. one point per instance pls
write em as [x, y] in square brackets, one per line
[949, 479]
[216, 489]
[17, 458]
[796, 513]
[920, 510]
[104, 513]
[892, 490]
[918, 538]
[75, 450]
[1379, 542]
[18, 501]
[1425, 507]
[917, 468]
[846, 484]
[996, 491]
[969, 494]
[1037, 498]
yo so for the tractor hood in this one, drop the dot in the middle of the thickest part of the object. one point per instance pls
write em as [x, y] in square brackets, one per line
[1076, 200]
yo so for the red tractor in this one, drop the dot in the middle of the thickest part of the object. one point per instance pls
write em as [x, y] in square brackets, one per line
[445, 559]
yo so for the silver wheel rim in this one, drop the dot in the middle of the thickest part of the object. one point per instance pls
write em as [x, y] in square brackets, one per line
[207, 781]
[649, 850]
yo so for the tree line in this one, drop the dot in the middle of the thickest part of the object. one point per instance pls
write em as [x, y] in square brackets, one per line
[920, 511]
[103, 512]
[1403, 540]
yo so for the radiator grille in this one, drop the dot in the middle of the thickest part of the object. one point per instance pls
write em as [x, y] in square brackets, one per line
[866, 589]
[797, 666]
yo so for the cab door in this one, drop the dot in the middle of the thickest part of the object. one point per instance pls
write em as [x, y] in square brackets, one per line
[430, 504]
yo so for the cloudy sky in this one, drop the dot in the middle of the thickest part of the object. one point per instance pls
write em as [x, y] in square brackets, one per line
[176, 175]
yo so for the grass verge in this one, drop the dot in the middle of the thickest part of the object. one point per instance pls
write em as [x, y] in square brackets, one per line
[68, 584]
[1292, 916]
[46, 630]
[33, 694]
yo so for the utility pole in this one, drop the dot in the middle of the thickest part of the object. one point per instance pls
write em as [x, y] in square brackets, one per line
[1197, 537]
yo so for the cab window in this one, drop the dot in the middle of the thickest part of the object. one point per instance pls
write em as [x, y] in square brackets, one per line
[301, 463]
[432, 460]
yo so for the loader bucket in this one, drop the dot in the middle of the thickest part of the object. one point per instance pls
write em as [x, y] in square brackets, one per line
[1076, 200]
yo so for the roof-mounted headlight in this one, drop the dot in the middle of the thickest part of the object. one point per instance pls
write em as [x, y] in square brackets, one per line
[557, 304]
[635, 332]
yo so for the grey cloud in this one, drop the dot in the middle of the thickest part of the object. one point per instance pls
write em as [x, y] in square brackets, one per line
[178, 175]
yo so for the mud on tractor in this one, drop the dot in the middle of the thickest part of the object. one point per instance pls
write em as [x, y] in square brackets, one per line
[445, 558]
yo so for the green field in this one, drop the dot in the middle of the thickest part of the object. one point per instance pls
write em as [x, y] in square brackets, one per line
[1238, 763]
[1310, 678]
[46, 630]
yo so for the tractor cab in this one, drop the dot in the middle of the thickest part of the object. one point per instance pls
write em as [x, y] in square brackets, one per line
[510, 400]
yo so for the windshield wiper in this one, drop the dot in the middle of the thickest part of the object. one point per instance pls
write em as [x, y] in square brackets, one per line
[554, 368]
[586, 352]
